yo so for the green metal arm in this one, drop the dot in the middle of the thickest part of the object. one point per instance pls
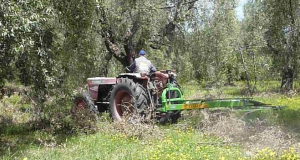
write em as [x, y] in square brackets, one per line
[178, 103]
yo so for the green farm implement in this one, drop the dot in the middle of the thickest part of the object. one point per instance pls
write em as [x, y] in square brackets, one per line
[179, 103]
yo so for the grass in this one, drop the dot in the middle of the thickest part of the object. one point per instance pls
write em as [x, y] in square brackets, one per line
[174, 144]
[194, 137]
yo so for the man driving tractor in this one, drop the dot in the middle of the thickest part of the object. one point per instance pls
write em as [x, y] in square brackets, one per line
[142, 64]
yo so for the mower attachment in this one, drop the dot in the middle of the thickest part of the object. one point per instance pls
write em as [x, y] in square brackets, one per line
[178, 103]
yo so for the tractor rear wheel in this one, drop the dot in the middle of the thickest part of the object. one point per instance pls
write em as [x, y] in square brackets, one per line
[128, 97]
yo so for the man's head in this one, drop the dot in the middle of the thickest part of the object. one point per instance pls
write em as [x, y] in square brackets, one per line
[142, 53]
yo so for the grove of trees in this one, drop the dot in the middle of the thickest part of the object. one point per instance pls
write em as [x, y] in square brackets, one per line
[52, 46]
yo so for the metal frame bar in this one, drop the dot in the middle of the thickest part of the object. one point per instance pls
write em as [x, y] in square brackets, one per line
[175, 104]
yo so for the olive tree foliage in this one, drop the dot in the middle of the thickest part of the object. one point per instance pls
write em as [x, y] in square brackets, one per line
[273, 31]
[80, 49]
[54, 45]
[50, 39]
[156, 26]
[26, 44]
[212, 42]
[255, 63]
[125, 27]
[282, 37]
[50, 46]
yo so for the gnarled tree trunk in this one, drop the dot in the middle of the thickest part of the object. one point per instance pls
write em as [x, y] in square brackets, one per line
[287, 79]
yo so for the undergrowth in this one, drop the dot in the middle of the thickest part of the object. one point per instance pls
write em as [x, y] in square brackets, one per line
[200, 134]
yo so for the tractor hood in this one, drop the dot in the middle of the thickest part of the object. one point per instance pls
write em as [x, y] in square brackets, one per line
[102, 80]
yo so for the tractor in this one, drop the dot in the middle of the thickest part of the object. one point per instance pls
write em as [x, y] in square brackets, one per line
[131, 92]
[157, 96]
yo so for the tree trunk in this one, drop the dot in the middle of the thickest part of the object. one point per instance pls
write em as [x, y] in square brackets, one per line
[104, 68]
[287, 79]
[246, 71]
[229, 75]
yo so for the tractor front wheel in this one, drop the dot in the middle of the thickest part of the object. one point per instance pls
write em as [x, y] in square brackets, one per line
[84, 108]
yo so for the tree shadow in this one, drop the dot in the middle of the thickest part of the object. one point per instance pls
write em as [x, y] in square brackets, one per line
[16, 138]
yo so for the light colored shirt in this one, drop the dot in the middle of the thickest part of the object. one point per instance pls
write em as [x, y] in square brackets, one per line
[142, 65]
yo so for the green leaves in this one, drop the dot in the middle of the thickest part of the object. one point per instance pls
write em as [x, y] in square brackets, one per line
[59, 43]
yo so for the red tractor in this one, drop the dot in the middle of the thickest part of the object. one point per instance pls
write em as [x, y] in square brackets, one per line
[131, 92]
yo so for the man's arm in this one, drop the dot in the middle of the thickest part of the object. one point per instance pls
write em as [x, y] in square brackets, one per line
[152, 68]
[132, 67]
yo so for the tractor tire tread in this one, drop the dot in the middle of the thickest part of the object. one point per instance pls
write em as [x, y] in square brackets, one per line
[138, 92]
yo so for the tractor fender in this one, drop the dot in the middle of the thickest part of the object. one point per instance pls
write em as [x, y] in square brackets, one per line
[131, 75]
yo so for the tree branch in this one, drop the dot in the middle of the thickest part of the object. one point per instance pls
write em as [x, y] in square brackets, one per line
[108, 37]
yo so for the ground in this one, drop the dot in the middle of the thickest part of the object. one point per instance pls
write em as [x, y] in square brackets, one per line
[200, 134]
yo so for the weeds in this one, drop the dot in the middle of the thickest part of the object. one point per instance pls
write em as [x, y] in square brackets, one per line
[200, 134]
[134, 124]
